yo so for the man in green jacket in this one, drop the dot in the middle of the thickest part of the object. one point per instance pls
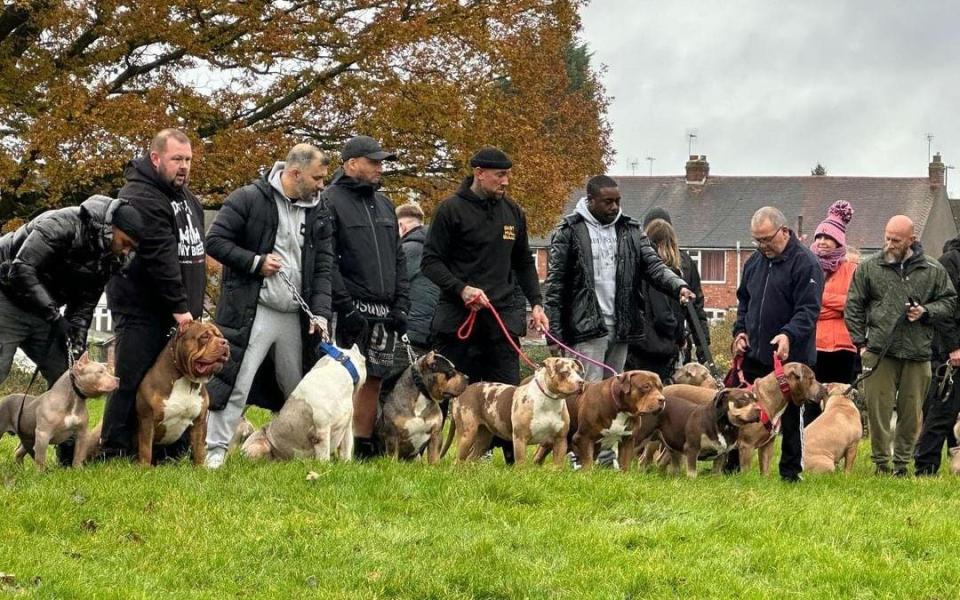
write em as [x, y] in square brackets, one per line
[896, 300]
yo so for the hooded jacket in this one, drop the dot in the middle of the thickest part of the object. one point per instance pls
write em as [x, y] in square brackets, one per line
[244, 232]
[168, 273]
[571, 302]
[61, 258]
[423, 292]
[780, 295]
[947, 336]
[370, 266]
[481, 242]
[879, 294]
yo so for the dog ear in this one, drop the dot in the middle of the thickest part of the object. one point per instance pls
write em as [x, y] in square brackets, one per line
[84, 359]
[720, 401]
[428, 358]
[578, 366]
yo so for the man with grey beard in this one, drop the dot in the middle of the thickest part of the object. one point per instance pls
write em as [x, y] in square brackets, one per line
[903, 295]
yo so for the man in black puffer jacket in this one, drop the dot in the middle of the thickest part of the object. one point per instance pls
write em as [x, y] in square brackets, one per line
[165, 282]
[598, 259]
[63, 258]
[274, 224]
[370, 281]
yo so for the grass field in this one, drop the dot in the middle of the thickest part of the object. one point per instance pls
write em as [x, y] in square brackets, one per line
[386, 530]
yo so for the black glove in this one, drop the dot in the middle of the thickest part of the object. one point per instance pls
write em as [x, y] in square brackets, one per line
[397, 320]
[349, 327]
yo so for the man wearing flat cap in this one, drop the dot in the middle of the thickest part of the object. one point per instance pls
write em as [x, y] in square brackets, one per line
[369, 280]
[477, 252]
[63, 258]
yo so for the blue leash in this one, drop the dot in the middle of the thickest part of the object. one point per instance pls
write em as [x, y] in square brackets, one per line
[341, 357]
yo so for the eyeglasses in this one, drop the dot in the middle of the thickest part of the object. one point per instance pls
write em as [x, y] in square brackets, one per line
[765, 241]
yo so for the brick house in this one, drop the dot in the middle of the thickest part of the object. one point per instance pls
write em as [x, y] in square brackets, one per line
[712, 214]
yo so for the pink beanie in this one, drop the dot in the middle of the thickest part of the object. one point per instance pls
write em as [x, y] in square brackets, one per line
[835, 225]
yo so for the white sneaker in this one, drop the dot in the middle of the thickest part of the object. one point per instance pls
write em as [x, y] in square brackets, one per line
[215, 458]
[574, 461]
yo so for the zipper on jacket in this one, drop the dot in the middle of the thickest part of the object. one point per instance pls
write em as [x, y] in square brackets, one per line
[376, 246]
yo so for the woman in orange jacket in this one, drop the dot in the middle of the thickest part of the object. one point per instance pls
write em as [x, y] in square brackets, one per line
[836, 354]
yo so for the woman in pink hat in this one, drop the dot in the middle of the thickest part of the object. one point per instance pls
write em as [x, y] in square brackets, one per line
[836, 354]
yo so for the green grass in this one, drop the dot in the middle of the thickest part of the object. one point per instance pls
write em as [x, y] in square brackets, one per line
[386, 530]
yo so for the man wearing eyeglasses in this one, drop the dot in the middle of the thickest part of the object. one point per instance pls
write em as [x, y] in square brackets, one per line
[778, 305]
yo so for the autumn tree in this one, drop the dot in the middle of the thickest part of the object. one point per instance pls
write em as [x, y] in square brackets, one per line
[818, 171]
[85, 83]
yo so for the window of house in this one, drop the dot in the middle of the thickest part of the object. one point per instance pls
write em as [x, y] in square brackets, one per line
[712, 265]
[715, 314]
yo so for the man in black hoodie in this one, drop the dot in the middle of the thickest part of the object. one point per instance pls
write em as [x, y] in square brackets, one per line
[369, 281]
[477, 252]
[164, 284]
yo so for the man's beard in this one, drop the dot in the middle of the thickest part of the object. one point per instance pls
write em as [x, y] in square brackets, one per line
[895, 255]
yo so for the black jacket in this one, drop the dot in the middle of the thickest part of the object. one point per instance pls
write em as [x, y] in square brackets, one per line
[245, 227]
[366, 244]
[482, 243]
[946, 337]
[424, 294]
[571, 303]
[168, 273]
[781, 295]
[61, 258]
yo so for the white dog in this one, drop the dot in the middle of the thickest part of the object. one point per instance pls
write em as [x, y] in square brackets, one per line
[317, 417]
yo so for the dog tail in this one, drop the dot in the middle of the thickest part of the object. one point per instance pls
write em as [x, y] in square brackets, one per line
[450, 430]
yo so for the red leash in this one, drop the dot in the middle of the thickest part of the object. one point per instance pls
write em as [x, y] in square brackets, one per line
[466, 330]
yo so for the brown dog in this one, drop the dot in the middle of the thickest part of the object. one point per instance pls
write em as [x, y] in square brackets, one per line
[697, 431]
[835, 434]
[759, 436]
[532, 413]
[695, 374]
[173, 396]
[607, 412]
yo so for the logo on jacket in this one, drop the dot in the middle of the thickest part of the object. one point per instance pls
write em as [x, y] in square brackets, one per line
[509, 232]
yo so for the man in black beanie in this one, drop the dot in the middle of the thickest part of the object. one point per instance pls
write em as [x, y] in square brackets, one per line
[61, 259]
[477, 252]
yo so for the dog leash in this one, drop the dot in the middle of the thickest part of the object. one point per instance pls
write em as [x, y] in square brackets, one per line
[579, 355]
[867, 372]
[466, 330]
[324, 336]
[701, 340]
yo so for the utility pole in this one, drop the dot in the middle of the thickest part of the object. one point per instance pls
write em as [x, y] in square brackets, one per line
[650, 159]
[632, 163]
[929, 145]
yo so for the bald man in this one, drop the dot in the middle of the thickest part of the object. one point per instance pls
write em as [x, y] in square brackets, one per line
[903, 295]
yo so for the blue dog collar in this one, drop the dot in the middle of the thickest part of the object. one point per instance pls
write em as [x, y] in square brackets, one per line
[341, 357]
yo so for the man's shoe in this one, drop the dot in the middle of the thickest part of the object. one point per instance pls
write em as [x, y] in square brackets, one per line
[215, 458]
[574, 461]
[365, 449]
[791, 478]
[900, 472]
[883, 470]
[925, 471]
[607, 458]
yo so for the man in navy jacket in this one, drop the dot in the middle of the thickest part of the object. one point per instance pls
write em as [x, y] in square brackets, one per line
[778, 305]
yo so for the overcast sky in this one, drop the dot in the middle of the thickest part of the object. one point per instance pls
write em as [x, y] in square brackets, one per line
[772, 88]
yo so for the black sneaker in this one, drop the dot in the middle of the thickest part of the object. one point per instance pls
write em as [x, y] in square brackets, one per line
[883, 470]
[791, 478]
[925, 471]
[900, 472]
[110, 453]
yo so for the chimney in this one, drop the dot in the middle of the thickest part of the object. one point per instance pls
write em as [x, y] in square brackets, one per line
[937, 169]
[698, 168]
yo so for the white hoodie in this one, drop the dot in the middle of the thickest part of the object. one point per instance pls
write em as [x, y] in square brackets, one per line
[603, 242]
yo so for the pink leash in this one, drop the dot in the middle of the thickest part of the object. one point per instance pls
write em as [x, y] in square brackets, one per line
[579, 355]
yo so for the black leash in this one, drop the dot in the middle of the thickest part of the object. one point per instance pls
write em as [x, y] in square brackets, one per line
[867, 372]
[700, 338]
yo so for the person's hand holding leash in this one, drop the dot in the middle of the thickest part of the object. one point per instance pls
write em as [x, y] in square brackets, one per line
[741, 343]
[474, 298]
[914, 310]
[271, 265]
[782, 342]
[686, 295]
[538, 319]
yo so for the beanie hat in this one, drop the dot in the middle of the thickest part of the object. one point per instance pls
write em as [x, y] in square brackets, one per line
[127, 219]
[490, 158]
[835, 225]
[656, 213]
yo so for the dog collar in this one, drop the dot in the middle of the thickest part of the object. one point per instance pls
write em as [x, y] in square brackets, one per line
[77, 390]
[338, 355]
[543, 391]
[781, 378]
[418, 380]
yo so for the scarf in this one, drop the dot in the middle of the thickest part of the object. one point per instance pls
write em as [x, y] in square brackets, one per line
[830, 260]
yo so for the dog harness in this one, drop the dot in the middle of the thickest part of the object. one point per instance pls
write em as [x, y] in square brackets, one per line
[338, 355]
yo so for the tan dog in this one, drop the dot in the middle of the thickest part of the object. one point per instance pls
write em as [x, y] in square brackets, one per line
[606, 414]
[695, 374]
[955, 452]
[695, 431]
[173, 396]
[532, 413]
[759, 436]
[57, 415]
[835, 434]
